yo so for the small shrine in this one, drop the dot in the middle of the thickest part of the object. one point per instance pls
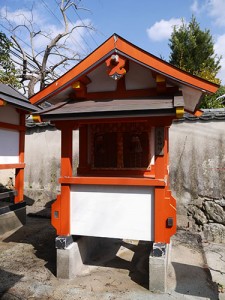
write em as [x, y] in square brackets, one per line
[123, 101]
[13, 109]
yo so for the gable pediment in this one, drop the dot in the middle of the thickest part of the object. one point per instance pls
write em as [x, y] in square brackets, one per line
[118, 69]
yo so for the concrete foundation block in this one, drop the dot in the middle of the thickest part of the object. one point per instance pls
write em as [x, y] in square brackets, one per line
[158, 265]
[71, 257]
[75, 253]
[69, 262]
[12, 220]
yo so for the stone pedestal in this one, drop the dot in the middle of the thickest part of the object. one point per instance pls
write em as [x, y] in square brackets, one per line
[158, 265]
[72, 253]
[69, 262]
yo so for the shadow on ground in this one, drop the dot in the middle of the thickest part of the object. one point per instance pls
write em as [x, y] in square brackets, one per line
[111, 253]
[188, 276]
[192, 275]
[118, 254]
[10, 280]
[41, 235]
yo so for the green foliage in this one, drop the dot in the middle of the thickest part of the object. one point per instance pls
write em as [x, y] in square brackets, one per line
[7, 68]
[212, 101]
[192, 50]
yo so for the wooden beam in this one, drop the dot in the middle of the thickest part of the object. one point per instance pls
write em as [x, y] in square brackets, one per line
[66, 171]
[12, 166]
[178, 101]
[66, 151]
[80, 89]
[160, 84]
[112, 181]
[12, 126]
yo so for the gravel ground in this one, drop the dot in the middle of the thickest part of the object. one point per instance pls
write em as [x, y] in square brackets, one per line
[28, 260]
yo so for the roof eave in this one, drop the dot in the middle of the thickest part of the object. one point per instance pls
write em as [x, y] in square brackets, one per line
[109, 115]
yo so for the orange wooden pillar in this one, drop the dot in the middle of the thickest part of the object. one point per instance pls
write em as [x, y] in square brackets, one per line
[19, 173]
[159, 191]
[165, 204]
[61, 207]
[66, 171]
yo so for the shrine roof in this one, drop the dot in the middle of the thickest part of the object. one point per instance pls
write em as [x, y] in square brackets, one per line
[209, 115]
[109, 108]
[138, 74]
[15, 98]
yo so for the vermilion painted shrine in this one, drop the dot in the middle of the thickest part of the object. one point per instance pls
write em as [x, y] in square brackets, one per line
[123, 101]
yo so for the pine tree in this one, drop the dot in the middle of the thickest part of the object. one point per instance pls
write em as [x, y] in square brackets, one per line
[192, 50]
[7, 68]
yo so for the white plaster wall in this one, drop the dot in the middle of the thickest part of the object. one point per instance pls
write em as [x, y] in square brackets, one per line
[9, 146]
[197, 160]
[112, 211]
[42, 157]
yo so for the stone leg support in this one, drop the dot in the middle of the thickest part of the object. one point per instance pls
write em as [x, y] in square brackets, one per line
[72, 254]
[158, 265]
[69, 261]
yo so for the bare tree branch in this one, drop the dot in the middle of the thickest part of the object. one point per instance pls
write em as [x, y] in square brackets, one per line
[61, 62]
[42, 60]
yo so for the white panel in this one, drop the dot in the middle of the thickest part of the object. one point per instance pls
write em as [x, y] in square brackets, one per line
[8, 114]
[112, 211]
[100, 80]
[138, 77]
[9, 146]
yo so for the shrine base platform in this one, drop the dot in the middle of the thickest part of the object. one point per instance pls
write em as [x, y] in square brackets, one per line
[147, 262]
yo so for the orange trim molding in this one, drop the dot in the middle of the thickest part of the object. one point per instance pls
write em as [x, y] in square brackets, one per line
[112, 181]
[115, 42]
[12, 126]
[12, 166]
[62, 82]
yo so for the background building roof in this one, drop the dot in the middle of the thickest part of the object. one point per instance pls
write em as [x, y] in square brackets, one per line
[15, 98]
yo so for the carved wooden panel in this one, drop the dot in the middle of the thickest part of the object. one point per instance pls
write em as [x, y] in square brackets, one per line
[120, 145]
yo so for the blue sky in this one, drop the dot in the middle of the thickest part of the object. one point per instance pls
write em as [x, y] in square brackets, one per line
[145, 23]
